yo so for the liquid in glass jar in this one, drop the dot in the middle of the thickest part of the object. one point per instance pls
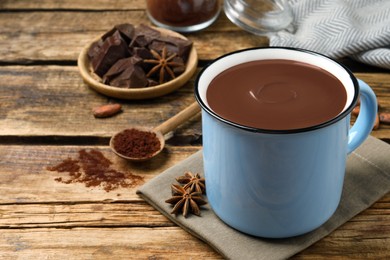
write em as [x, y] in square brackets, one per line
[183, 15]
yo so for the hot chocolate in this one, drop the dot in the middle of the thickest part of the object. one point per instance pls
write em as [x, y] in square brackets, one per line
[183, 15]
[276, 95]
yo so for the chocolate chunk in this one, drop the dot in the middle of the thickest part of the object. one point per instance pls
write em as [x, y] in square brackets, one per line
[143, 36]
[126, 30]
[179, 69]
[158, 46]
[118, 58]
[113, 49]
[120, 66]
[143, 53]
[109, 33]
[174, 45]
[184, 46]
[132, 77]
[152, 82]
[94, 49]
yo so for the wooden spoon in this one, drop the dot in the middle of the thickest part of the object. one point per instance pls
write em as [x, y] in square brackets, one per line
[160, 131]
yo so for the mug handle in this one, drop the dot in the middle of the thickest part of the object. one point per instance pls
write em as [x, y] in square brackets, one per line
[366, 118]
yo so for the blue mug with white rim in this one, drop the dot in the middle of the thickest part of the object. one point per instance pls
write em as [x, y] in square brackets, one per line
[280, 183]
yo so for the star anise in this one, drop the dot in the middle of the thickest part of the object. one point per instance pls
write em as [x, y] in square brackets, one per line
[185, 200]
[163, 64]
[192, 182]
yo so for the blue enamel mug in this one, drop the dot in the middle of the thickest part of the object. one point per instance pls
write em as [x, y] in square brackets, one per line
[279, 184]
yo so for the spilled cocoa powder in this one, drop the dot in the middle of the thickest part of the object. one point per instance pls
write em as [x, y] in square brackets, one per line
[94, 170]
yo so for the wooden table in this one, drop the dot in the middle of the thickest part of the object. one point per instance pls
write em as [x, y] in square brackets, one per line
[45, 117]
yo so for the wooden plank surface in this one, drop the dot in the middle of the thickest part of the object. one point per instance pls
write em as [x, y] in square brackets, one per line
[80, 230]
[17, 5]
[57, 103]
[45, 117]
[60, 36]
[106, 243]
[165, 243]
[33, 219]
[127, 213]
[24, 177]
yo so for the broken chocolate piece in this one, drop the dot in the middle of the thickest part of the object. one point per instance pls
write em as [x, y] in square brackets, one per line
[126, 30]
[143, 53]
[143, 36]
[152, 82]
[174, 45]
[112, 49]
[94, 49]
[132, 77]
[109, 34]
[178, 69]
[120, 66]
[158, 46]
[118, 58]
[183, 46]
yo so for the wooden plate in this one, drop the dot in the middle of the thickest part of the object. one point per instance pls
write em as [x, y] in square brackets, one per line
[95, 82]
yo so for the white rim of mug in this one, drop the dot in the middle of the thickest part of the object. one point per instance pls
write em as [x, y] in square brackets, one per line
[350, 104]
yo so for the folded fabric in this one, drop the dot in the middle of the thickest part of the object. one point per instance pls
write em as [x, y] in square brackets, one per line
[359, 29]
[367, 179]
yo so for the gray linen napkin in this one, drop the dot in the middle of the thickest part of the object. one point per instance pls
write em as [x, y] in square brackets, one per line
[367, 179]
[359, 29]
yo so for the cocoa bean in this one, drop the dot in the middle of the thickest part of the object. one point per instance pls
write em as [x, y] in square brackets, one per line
[376, 124]
[356, 111]
[106, 110]
[384, 118]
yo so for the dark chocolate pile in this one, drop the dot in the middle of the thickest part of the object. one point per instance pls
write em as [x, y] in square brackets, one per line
[118, 57]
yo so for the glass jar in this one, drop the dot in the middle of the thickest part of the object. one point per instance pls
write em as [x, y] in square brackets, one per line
[260, 17]
[183, 15]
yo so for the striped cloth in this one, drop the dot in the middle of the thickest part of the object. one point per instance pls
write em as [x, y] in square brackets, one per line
[359, 29]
